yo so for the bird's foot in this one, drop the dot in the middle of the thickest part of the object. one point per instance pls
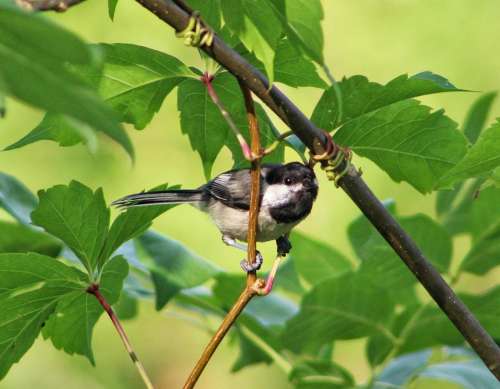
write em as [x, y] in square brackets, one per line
[283, 246]
[251, 267]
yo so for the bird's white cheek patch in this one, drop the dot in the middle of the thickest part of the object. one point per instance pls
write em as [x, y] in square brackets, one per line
[279, 194]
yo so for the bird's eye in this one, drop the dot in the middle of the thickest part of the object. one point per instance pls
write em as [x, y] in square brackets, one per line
[288, 181]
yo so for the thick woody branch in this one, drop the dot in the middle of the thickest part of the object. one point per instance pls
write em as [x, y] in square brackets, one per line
[253, 284]
[351, 183]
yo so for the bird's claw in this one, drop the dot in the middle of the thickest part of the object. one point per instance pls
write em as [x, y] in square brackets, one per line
[251, 267]
[283, 246]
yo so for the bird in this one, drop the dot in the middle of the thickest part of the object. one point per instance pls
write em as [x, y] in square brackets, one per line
[287, 194]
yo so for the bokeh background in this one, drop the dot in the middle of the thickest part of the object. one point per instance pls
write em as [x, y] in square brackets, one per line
[380, 39]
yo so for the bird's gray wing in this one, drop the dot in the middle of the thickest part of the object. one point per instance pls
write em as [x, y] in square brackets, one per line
[231, 188]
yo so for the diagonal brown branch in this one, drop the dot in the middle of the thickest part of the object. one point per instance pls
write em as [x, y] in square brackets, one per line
[351, 183]
[252, 284]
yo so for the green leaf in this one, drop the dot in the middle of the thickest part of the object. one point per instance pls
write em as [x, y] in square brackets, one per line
[77, 216]
[458, 218]
[400, 370]
[468, 374]
[417, 336]
[202, 121]
[39, 74]
[484, 254]
[361, 96]
[477, 115]
[445, 199]
[407, 141]
[210, 11]
[486, 309]
[31, 287]
[380, 346]
[288, 278]
[132, 223]
[481, 158]
[292, 68]
[383, 265]
[16, 198]
[249, 354]
[70, 327]
[112, 8]
[136, 80]
[456, 366]
[315, 260]
[301, 20]
[304, 26]
[484, 212]
[172, 266]
[61, 129]
[344, 307]
[257, 26]
[320, 374]
[17, 238]
[127, 306]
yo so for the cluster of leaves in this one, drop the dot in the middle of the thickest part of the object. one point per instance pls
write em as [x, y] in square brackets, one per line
[99, 86]
[324, 297]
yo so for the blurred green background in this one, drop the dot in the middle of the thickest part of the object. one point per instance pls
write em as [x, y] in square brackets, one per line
[380, 39]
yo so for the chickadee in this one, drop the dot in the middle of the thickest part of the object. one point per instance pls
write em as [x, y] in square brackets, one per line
[286, 198]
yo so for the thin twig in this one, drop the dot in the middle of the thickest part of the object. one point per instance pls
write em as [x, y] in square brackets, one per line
[253, 285]
[253, 127]
[94, 290]
[351, 183]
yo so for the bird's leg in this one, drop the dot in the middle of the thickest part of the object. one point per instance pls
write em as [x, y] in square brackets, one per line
[283, 247]
[243, 247]
[270, 277]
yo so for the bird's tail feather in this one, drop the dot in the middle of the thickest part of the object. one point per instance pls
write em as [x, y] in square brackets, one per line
[180, 196]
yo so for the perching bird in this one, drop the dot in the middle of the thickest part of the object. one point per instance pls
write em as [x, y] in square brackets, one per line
[286, 198]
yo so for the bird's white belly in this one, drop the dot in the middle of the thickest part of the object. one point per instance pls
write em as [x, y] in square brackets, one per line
[234, 223]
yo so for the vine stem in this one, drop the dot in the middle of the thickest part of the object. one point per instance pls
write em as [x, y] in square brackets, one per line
[94, 290]
[253, 285]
